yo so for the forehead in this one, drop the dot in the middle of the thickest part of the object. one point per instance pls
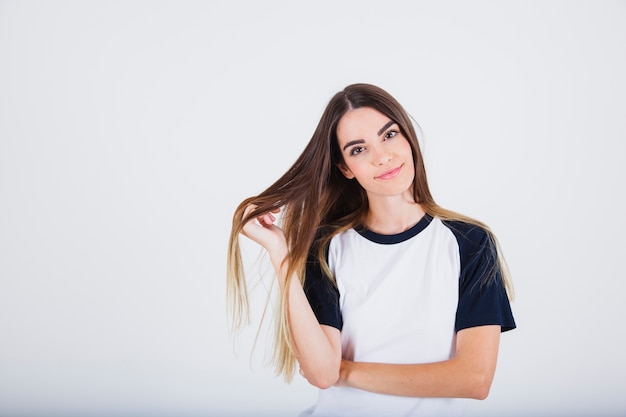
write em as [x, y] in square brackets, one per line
[360, 123]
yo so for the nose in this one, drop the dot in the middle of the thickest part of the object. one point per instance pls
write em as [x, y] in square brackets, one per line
[381, 156]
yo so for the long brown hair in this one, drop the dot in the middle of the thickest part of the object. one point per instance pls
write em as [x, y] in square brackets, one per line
[314, 195]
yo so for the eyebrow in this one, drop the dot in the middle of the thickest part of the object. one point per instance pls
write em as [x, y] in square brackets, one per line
[380, 132]
[386, 126]
[353, 142]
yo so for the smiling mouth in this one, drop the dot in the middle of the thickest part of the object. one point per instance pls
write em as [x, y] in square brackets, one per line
[389, 174]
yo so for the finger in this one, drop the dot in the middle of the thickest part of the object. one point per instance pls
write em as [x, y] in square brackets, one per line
[266, 219]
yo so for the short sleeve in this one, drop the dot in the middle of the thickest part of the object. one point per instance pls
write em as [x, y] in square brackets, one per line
[482, 296]
[322, 294]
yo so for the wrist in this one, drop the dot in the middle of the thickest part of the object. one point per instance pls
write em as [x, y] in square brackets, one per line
[278, 256]
[344, 373]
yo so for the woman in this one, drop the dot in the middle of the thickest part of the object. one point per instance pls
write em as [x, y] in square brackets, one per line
[391, 304]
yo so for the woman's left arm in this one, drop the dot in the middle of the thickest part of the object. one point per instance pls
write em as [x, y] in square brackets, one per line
[467, 375]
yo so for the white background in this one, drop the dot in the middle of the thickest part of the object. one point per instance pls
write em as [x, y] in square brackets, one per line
[130, 131]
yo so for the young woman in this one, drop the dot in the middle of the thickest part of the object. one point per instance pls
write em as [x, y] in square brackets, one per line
[391, 304]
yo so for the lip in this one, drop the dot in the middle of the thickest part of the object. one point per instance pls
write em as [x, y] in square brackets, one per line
[387, 175]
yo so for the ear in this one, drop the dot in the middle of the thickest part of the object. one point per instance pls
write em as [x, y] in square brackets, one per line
[345, 170]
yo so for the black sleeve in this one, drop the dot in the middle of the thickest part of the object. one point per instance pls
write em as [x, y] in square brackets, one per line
[322, 294]
[482, 295]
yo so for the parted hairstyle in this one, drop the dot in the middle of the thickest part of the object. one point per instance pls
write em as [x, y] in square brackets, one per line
[314, 195]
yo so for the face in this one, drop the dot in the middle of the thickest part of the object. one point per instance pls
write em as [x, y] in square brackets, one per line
[375, 153]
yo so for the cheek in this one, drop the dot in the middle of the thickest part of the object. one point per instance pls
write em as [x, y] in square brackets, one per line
[406, 148]
[353, 170]
[346, 170]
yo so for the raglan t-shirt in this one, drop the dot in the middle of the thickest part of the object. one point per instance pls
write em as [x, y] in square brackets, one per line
[402, 298]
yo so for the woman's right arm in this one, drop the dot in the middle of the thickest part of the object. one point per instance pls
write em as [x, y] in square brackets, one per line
[317, 347]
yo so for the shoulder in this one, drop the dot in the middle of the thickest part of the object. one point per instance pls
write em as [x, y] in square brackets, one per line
[342, 240]
[471, 238]
[466, 231]
[478, 251]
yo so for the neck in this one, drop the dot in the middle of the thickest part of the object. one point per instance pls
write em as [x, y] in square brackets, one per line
[394, 214]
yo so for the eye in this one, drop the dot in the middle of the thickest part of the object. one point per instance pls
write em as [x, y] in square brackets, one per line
[356, 150]
[390, 134]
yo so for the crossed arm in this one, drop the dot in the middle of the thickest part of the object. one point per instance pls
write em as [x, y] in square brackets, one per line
[468, 374]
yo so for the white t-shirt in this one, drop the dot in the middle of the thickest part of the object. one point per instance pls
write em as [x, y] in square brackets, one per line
[401, 299]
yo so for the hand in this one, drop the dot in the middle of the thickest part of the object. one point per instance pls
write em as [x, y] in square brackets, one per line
[263, 231]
